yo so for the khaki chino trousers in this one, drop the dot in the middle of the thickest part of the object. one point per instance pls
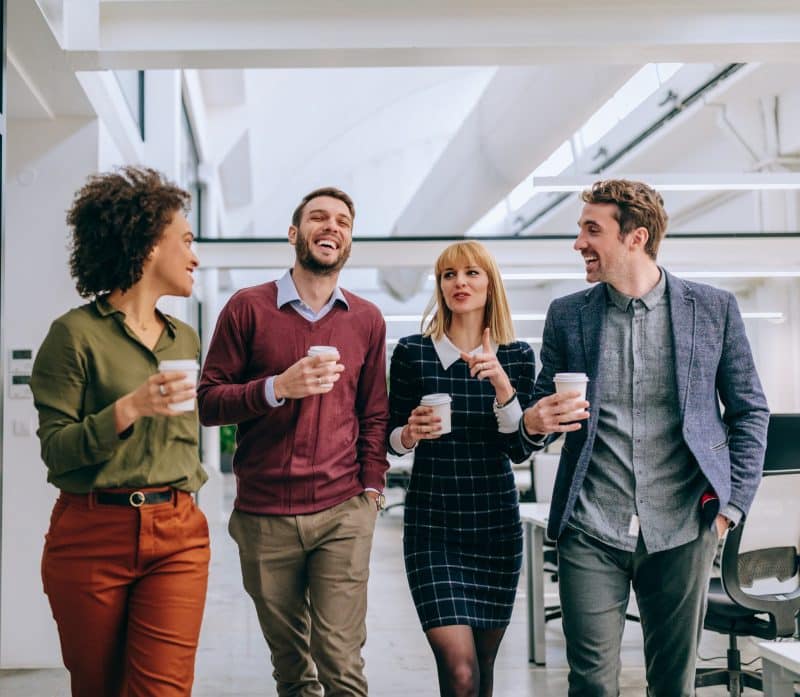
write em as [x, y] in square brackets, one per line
[307, 576]
[127, 587]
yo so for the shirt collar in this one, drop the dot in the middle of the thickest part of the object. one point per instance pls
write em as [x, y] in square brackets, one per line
[449, 353]
[649, 299]
[106, 309]
[287, 292]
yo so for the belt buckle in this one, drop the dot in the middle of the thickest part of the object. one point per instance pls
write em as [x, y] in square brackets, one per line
[137, 499]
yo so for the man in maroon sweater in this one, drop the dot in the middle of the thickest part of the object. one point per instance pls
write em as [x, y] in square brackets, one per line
[311, 458]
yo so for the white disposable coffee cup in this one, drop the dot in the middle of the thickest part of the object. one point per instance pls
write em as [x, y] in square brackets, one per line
[571, 382]
[323, 351]
[440, 403]
[188, 366]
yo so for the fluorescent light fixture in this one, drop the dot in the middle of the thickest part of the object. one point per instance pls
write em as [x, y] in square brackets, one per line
[581, 275]
[540, 316]
[402, 318]
[526, 339]
[709, 181]
[773, 316]
[524, 317]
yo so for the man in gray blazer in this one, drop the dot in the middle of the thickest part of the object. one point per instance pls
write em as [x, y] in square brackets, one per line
[652, 470]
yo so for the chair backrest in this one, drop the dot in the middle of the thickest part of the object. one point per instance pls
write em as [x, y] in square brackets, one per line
[761, 557]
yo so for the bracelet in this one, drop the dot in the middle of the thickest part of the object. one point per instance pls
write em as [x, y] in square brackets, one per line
[414, 445]
[506, 403]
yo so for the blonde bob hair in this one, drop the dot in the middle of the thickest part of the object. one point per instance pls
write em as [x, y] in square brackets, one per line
[496, 315]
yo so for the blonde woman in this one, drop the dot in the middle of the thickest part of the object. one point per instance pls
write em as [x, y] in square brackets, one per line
[462, 538]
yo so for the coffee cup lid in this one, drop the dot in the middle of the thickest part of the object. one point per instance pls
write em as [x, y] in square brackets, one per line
[571, 377]
[321, 350]
[430, 400]
[179, 364]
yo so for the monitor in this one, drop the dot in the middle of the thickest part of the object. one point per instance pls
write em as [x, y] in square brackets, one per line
[783, 444]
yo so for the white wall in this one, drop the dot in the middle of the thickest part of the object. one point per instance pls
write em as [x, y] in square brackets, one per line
[46, 162]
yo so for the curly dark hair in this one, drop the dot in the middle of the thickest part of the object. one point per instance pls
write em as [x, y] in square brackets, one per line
[638, 205]
[116, 219]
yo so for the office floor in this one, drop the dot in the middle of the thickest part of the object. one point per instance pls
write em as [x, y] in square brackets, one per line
[232, 659]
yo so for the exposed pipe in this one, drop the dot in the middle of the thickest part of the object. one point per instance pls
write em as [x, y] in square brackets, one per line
[698, 94]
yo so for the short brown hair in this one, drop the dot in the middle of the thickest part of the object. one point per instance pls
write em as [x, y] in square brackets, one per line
[638, 205]
[116, 219]
[331, 191]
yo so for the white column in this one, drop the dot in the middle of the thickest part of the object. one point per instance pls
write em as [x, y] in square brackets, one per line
[47, 162]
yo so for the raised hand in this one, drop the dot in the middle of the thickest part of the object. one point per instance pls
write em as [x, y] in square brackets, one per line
[485, 366]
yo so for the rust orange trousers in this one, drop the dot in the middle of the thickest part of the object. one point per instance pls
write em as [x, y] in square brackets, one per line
[127, 587]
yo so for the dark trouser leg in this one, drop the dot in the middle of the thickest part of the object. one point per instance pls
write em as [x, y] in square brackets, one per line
[594, 587]
[671, 589]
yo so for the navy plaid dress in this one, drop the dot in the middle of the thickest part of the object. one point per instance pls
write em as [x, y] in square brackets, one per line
[462, 539]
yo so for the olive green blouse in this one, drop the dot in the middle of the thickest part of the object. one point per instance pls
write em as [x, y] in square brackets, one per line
[88, 360]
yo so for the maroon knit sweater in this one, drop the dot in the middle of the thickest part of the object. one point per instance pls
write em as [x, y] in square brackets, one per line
[308, 454]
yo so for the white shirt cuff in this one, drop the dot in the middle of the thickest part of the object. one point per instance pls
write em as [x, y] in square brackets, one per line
[536, 441]
[508, 416]
[269, 389]
[397, 442]
[732, 513]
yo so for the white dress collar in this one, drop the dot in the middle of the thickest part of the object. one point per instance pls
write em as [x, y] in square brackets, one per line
[449, 353]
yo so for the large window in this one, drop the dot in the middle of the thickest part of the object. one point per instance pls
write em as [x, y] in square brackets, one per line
[131, 82]
[190, 166]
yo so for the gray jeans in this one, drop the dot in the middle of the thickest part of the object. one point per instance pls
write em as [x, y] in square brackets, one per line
[671, 588]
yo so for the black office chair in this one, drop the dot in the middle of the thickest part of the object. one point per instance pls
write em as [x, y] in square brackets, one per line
[763, 548]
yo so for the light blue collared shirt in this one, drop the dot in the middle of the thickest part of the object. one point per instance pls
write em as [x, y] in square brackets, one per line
[288, 295]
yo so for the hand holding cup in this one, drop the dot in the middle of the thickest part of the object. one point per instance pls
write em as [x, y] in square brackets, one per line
[169, 392]
[313, 374]
[428, 421]
[560, 412]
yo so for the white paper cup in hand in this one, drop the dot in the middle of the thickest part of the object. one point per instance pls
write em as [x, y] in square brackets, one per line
[323, 351]
[440, 403]
[571, 382]
[188, 366]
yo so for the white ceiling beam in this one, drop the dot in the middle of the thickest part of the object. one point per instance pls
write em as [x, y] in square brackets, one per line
[747, 256]
[676, 181]
[353, 33]
[40, 62]
[81, 24]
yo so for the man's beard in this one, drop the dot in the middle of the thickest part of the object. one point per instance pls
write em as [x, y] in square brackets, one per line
[310, 263]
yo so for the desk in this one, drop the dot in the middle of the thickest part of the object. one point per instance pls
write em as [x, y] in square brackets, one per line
[781, 661]
[534, 519]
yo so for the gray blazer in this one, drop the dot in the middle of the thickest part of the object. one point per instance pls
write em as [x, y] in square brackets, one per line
[713, 364]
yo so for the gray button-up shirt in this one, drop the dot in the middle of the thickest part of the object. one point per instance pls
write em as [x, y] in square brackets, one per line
[640, 463]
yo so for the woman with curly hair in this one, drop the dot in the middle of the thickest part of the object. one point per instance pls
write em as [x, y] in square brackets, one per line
[125, 563]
